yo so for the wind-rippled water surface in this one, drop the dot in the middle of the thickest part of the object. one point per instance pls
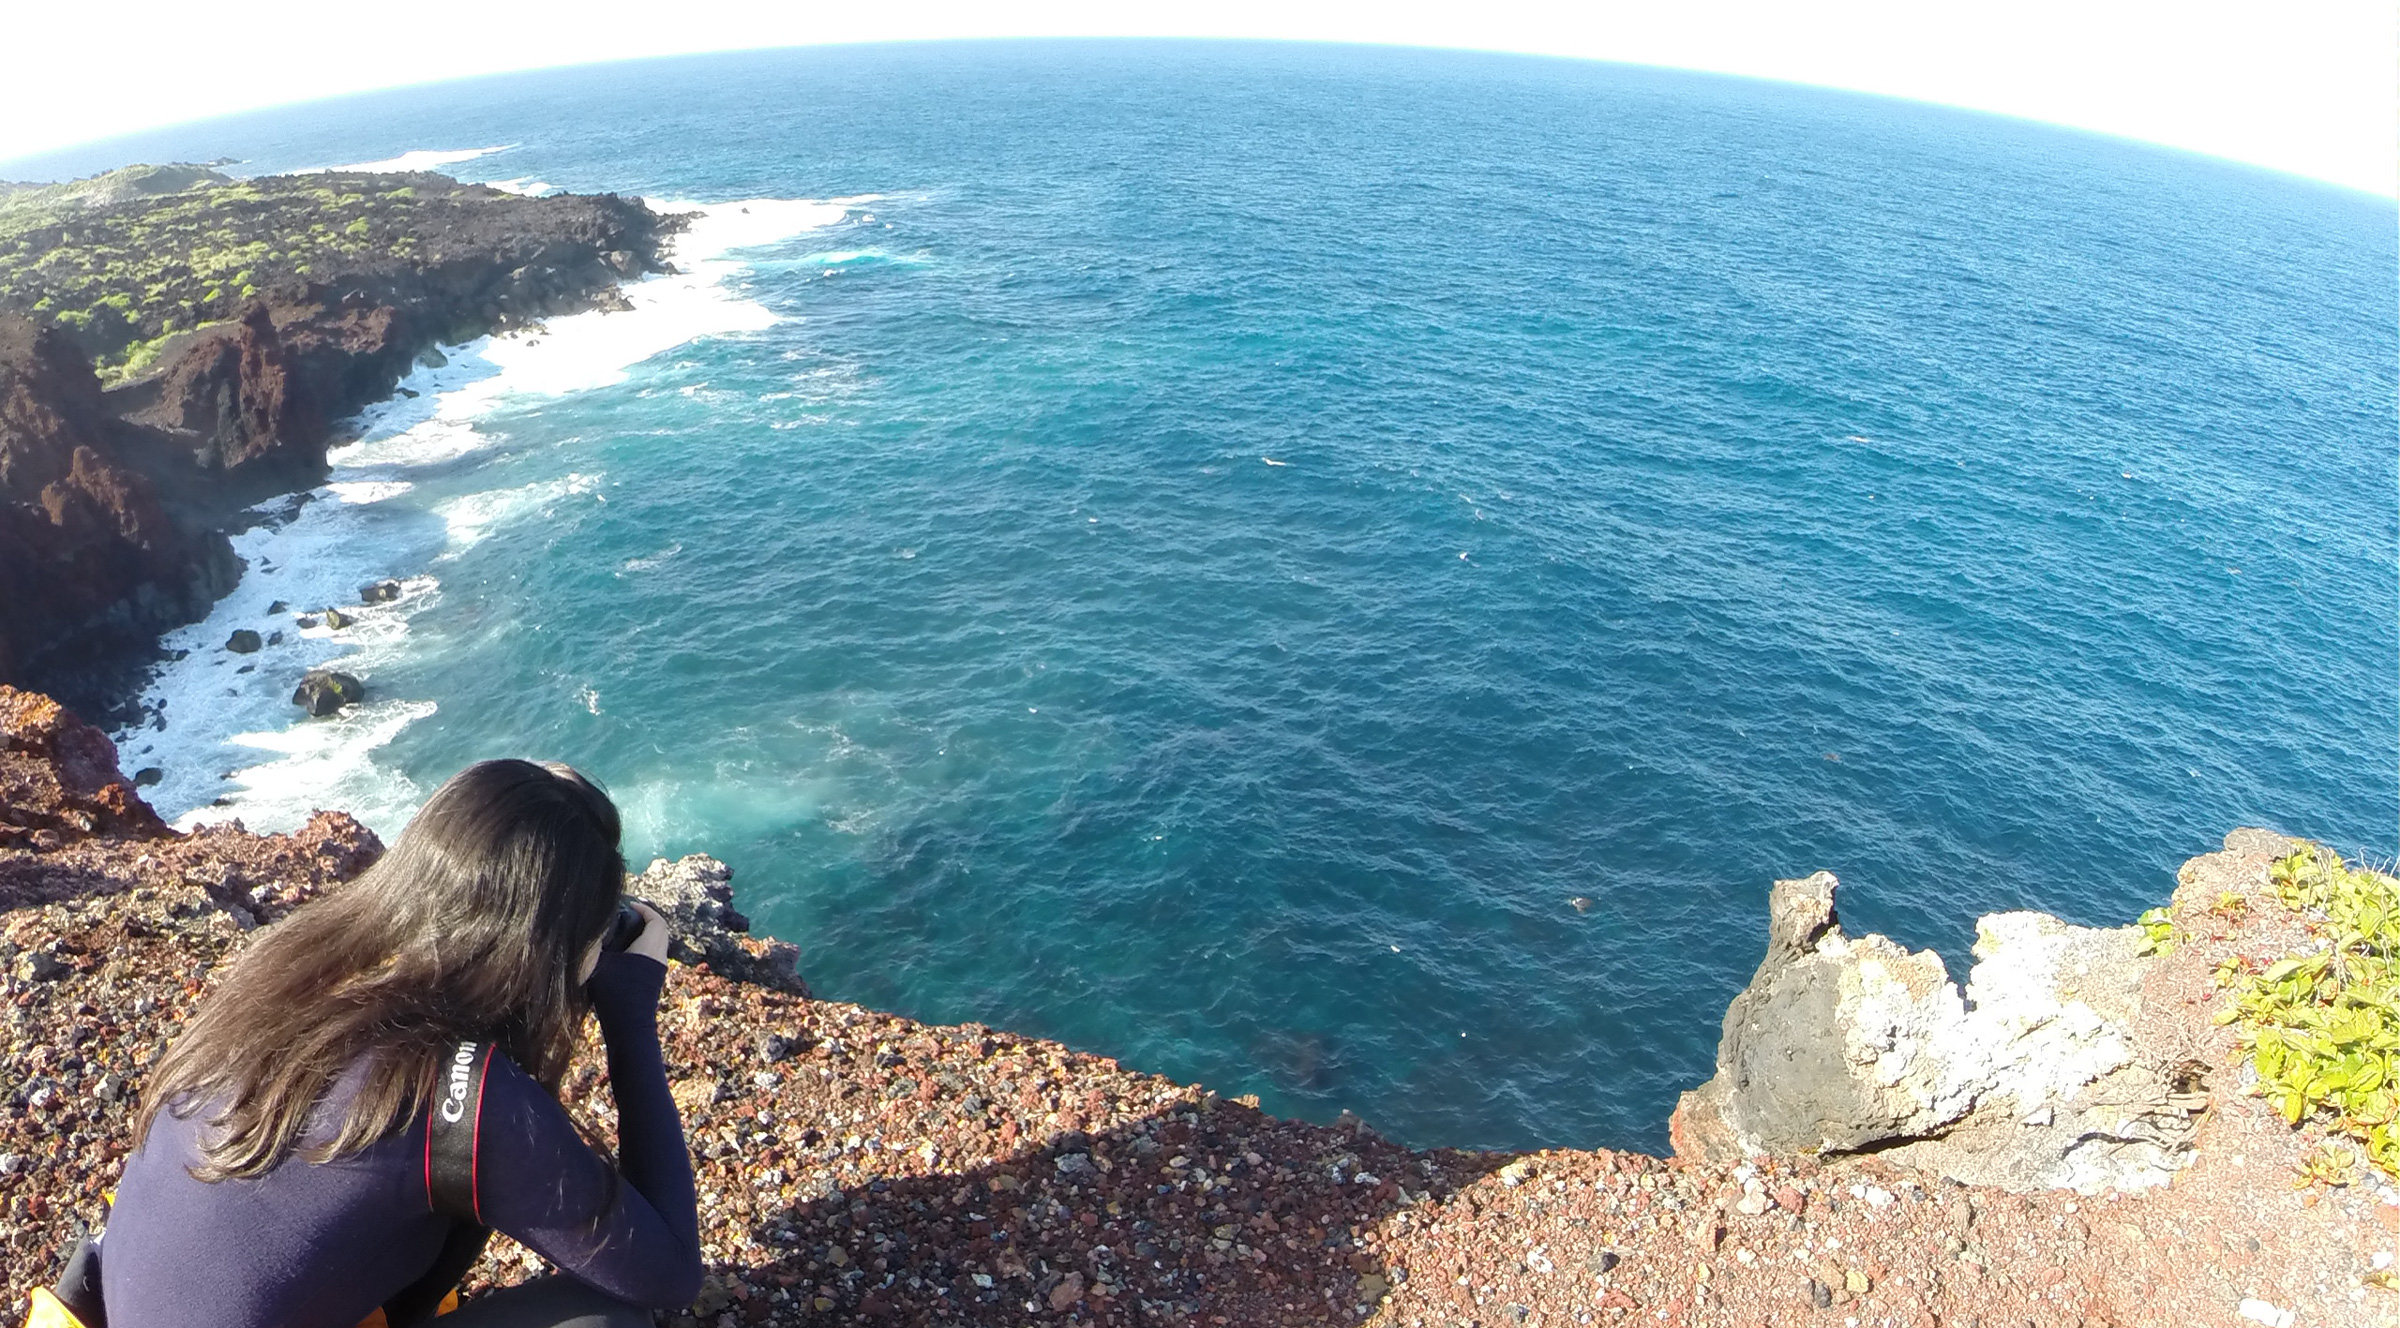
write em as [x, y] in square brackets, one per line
[1217, 546]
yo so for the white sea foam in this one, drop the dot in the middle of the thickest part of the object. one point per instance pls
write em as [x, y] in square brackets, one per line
[367, 491]
[840, 257]
[645, 564]
[655, 808]
[471, 518]
[420, 159]
[222, 725]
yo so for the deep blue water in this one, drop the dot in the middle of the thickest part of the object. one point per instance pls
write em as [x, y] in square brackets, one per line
[1684, 482]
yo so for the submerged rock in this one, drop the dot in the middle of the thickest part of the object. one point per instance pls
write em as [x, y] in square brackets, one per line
[325, 691]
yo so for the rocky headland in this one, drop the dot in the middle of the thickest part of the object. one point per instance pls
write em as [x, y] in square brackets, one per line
[2083, 1135]
[176, 345]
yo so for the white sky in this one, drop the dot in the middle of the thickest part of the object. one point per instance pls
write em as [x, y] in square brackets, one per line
[2306, 86]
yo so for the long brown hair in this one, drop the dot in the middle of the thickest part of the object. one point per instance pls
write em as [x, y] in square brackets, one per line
[474, 925]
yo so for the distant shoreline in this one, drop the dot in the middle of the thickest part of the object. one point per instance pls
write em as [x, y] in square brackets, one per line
[238, 325]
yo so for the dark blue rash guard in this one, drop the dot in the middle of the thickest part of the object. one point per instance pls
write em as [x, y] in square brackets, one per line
[311, 1245]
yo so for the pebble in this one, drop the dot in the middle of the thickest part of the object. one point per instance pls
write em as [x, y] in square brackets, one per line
[2266, 1312]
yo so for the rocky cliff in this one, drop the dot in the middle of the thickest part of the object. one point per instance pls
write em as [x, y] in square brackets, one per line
[175, 345]
[2036, 1077]
[1877, 1147]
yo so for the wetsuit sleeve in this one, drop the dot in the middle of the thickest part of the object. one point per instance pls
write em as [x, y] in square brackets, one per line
[634, 1235]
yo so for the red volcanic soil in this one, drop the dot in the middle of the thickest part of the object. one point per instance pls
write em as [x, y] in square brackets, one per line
[858, 1167]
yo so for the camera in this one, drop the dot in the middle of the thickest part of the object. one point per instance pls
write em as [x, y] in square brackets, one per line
[625, 926]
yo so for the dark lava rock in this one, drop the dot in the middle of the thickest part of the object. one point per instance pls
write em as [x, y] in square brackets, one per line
[382, 592]
[325, 691]
[243, 642]
[337, 620]
[148, 776]
[116, 498]
[59, 776]
[94, 558]
[279, 607]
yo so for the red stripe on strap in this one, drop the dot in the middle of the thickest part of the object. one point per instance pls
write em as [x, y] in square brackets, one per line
[475, 1141]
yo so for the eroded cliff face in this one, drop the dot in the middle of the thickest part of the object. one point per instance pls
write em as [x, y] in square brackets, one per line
[114, 504]
[91, 559]
[59, 780]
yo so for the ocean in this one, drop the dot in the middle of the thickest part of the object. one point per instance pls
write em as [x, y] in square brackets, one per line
[1343, 574]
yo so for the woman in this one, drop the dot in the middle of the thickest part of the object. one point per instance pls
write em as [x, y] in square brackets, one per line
[284, 1176]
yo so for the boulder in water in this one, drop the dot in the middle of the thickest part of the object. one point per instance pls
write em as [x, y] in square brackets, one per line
[337, 620]
[382, 592]
[243, 642]
[325, 691]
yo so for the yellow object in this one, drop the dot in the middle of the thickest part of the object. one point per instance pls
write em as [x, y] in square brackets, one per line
[48, 1313]
[373, 1320]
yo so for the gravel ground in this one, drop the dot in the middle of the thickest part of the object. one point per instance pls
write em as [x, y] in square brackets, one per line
[856, 1167]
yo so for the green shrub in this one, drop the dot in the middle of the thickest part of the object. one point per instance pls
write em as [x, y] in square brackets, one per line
[2323, 1029]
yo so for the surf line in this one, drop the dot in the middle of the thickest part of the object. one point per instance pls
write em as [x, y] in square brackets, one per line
[220, 739]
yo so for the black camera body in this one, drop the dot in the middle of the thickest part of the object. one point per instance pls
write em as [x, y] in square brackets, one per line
[624, 927]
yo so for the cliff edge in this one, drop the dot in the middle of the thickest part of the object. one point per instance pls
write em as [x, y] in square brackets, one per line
[2070, 1140]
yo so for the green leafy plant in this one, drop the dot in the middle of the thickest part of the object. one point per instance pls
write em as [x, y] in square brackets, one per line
[125, 258]
[2323, 1029]
[2158, 932]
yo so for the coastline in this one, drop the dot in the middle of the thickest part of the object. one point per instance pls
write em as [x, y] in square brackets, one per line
[858, 1166]
[213, 730]
[177, 345]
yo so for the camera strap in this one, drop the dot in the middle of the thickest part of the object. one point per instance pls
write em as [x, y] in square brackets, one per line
[451, 1129]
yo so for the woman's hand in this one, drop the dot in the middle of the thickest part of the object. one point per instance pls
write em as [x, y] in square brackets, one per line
[652, 943]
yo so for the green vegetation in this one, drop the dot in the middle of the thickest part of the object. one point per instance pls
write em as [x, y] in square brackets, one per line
[2158, 933]
[2323, 1028]
[129, 258]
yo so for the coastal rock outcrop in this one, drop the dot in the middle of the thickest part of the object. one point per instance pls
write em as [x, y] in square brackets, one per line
[695, 895]
[222, 382]
[59, 780]
[90, 551]
[232, 397]
[2028, 1080]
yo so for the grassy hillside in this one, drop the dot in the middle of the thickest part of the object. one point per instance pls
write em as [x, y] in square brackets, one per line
[124, 261]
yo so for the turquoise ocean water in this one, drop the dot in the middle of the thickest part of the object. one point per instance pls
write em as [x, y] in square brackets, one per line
[1202, 551]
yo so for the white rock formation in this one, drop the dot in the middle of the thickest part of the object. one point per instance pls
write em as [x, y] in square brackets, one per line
[2029, 1080]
